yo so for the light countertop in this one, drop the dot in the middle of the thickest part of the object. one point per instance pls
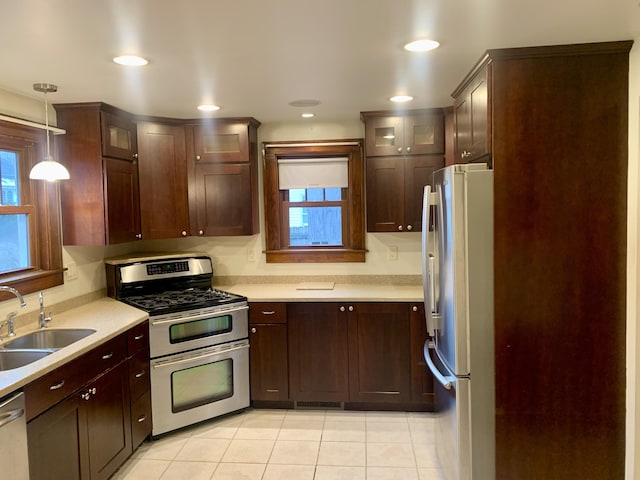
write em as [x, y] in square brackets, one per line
[107, 316]
[305, 292]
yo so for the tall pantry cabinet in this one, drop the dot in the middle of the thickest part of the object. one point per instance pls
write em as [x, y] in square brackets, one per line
[555, 127]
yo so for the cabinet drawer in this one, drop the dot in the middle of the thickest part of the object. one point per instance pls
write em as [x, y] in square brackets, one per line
[267, 312]
[139, 374]
[49, 389]
[140, 419]
[138, 338]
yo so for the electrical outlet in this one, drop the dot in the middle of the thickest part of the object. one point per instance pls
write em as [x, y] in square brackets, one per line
[251, 254]
[72, 271]
[393, 252]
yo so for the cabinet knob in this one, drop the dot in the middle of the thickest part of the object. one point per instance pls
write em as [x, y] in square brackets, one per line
[409, 227]
[342, 309]
[135, 155]
[201, 232]
[351, 308]
[138, 235]
[253, 330]
[198, 158]
[184, 233]
[400, 227]
[465, 154]
[414, 308]
[400, 150]
[86, 396]
[408, 149]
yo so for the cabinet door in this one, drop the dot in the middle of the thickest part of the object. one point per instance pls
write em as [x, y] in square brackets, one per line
[108, 422]
[121, 191]
[379, 353]
[385, 194]
[223, 202]
[471, 123]
[384, 136]
[162, 165]
[424, 134]
[418, 173]
[318, 358]
[269, 368]
[57, 440]
[118, 136]
[221, 142]
[421, 377]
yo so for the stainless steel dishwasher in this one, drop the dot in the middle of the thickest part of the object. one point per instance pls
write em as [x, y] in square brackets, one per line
[13, 437]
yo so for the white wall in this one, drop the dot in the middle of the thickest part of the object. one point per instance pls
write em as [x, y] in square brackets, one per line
[633, 268]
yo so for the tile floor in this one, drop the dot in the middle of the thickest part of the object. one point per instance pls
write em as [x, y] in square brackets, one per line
[293, 445]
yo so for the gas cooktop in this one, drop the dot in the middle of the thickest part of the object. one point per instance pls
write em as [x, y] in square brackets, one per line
[180, 300]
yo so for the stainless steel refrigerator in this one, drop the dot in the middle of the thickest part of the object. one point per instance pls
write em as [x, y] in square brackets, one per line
[458, 291]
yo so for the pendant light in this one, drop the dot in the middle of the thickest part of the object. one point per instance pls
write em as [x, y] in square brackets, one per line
[48, 169]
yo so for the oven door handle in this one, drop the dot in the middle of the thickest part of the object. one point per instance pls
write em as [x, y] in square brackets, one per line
[183, 317]
[200, 357]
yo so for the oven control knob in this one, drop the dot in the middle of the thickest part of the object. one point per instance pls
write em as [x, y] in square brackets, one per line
[253, 330]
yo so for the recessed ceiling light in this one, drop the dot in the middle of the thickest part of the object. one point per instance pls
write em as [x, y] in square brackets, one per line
[401, 98]
[422, 45]
[208, 108]
[308, 115]
[130, 60]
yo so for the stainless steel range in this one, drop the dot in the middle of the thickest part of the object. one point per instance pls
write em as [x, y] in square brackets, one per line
[198, 336]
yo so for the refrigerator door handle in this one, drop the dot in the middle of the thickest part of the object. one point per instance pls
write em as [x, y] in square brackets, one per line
[447, 381]
[428, 265]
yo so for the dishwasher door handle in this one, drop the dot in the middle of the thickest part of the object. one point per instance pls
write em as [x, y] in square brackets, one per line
[11, 416]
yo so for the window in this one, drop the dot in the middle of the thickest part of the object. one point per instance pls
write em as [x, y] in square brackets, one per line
[314, 202]
[30, 232]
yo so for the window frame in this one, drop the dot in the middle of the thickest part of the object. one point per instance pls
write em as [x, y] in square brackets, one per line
[275, 201]
[41, 200]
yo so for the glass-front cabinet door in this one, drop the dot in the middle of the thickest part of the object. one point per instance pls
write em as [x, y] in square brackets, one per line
[119, 139]
[216, 142]
[423, 134]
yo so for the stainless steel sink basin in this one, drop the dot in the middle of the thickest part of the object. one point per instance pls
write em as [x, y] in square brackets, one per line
[49, 338]
[10, 359]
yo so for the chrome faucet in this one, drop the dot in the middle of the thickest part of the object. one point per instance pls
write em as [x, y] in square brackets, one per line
[10, 321]
[44, 320]
[5, 288]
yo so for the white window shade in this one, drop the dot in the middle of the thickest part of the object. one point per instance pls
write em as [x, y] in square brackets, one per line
[332, 172]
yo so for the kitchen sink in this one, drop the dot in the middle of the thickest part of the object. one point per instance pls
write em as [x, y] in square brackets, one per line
[10, 359]
[49, 338]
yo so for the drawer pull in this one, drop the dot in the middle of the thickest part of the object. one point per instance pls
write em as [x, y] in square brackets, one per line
[271, 312]
[139, 337]
[140, 374]
[107, 356]
[57, 386]
[142, 418]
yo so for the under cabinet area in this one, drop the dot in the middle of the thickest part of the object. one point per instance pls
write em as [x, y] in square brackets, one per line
[80, 423]
[352, 355]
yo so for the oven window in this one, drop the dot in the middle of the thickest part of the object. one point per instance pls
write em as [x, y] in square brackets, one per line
[196, 386]
[207, 327]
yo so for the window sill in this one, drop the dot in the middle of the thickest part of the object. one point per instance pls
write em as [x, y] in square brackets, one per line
[31, 281]
[315, 255]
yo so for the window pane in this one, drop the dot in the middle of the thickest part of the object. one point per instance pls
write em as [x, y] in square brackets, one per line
[333, 194]
[315, 226]
[9, 176]
[315, 194]
[297, 195]
[14, 242]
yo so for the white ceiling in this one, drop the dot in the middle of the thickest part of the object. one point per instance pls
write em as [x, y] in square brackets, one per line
[252, 57]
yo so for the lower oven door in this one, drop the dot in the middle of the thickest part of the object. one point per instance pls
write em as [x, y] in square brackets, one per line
[199, 385]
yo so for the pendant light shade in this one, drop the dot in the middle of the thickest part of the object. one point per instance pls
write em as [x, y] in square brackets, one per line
[48, 169]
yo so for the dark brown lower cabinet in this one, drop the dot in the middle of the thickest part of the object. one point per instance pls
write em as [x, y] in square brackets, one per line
[86, 436]
[379, 352]
[318, 352]
[269, 378]
[421, 377]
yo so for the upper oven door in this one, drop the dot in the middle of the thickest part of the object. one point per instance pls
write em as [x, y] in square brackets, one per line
[182, 331]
